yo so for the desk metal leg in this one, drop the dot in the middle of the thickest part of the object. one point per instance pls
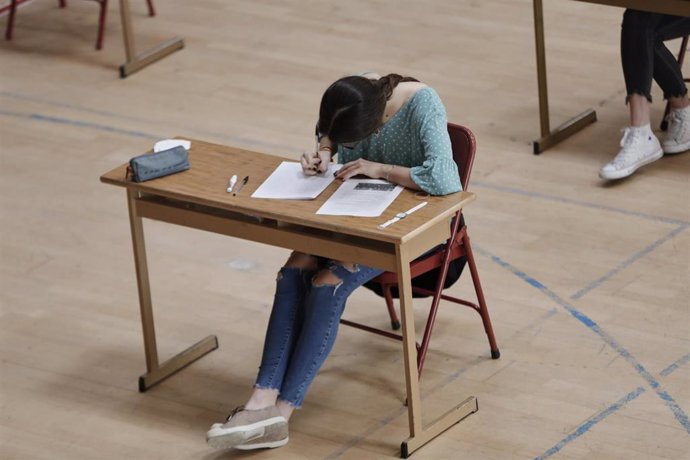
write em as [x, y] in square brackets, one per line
[156, 372]
[550, 138]
[136, 62]
[420, 435]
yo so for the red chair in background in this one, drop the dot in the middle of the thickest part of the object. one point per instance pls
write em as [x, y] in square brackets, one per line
[63, 3]
[437, 262]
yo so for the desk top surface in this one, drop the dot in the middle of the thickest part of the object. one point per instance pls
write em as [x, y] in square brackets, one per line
[676, 7]
[212, 165]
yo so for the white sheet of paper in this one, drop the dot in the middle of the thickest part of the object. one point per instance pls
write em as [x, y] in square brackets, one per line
[166, 144]
[288, 182]
[361, 197]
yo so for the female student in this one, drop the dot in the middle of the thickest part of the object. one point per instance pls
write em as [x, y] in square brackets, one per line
[393, 128]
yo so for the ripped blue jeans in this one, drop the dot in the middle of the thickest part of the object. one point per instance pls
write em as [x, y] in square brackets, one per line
[303, 326]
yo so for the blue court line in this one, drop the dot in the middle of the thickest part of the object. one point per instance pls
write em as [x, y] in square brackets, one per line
[582, 429]
[78, 123]
[139, 120]
[585, 204]
[679, 362]
[585, 427]
[677, 411]
[626, 263]
[67, 105]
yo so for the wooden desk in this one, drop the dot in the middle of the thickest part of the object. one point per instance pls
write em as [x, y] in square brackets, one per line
[575, 124]
[136, 61]
[197, 199]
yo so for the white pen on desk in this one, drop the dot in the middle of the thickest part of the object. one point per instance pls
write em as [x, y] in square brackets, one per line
[231, 184]
[242, 184]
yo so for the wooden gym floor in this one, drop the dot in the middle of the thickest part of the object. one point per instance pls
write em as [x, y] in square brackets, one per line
[587, 282]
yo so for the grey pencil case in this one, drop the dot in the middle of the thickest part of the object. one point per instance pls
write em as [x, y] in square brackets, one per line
[153, 165]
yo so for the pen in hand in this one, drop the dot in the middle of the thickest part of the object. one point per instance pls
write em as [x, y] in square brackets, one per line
[316, 150]
[242, 184]
[318, 166]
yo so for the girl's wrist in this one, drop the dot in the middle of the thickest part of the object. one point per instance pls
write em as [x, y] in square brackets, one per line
[387, 169]
[326, 148]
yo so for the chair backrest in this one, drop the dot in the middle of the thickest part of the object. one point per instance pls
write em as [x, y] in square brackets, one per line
[464, 147]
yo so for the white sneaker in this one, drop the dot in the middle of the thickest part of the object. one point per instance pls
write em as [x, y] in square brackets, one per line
[677, 137]
[639, 147]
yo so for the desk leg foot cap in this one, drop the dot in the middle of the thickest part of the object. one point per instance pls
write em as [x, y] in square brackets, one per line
[403, 450]
[536, 146]
[142, 385]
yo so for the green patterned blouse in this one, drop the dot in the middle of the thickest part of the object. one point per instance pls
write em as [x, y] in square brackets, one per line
[415, 137]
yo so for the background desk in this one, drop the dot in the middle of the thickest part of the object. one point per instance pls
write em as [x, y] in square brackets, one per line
[570, 127]
[197, 198]
[136, 61]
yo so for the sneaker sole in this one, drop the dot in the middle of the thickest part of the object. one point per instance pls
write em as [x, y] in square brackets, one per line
[673, 149]
[620, 174]
[263, 445]
[225, 438]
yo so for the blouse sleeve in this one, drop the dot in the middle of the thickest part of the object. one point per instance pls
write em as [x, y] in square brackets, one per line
[438, 174]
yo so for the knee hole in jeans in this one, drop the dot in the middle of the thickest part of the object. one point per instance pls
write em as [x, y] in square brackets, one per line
[328, 276]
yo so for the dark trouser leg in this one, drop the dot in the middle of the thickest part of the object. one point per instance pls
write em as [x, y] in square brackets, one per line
[644, 55]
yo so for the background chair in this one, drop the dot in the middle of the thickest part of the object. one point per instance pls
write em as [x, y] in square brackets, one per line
[437, 262]
[681, 58]
[101, 18]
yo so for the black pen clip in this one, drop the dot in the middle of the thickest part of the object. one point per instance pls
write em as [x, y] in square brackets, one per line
[242, 184]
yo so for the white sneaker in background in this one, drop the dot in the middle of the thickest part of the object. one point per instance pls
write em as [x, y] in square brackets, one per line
[677, 137]
[639, 146]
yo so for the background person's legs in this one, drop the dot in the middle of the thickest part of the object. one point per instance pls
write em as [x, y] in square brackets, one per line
[645, 57]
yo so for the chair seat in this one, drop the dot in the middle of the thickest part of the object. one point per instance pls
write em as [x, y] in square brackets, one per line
[424, 263]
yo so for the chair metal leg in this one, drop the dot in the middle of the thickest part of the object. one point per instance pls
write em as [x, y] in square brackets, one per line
[388, 295]
[681, 58]
[10, 20]
[101, 23]
[152, 11]
[433, 310]
[483, 309]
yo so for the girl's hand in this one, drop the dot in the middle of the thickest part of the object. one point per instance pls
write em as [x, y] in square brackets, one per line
[360, 166]
[315, 162]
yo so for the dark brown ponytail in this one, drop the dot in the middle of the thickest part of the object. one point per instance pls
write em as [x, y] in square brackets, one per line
[388, 83]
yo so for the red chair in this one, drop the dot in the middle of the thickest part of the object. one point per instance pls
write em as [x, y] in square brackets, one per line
[101, 18]
[439, 260]
[681, 58]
